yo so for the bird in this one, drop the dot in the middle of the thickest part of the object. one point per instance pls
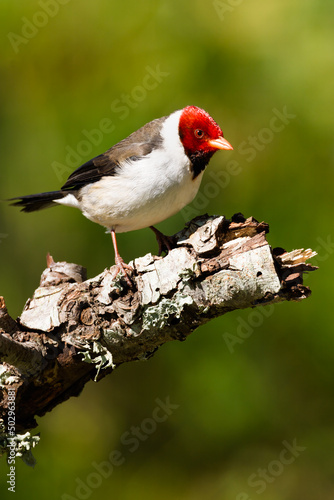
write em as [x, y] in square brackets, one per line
[143, 179]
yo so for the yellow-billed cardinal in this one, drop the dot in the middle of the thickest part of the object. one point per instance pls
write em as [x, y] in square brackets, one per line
[142, 180]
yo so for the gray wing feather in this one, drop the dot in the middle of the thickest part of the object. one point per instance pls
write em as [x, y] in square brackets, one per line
[135, 146]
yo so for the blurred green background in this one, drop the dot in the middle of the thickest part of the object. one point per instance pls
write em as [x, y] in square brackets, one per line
[264, 71]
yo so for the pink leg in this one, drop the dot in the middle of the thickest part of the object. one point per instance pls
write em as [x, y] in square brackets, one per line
[120, 264]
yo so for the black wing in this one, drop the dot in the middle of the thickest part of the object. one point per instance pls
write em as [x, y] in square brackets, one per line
[133, 147]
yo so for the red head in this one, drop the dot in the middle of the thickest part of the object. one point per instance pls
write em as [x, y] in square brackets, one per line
[199, 133]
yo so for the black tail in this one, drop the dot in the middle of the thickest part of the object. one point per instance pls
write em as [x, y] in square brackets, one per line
[34, 202]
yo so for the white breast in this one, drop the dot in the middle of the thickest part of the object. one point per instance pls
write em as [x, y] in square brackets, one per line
[144, 192]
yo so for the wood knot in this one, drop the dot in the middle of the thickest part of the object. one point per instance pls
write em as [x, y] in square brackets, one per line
[86, 317]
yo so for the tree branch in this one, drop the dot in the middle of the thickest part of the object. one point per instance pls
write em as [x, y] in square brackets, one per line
[74, 329]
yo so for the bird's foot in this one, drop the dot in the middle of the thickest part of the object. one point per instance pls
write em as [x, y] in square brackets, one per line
[121, 266]
[166, 243]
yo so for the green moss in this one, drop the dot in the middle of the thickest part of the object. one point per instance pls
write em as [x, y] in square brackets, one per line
[6, 376]
[23, 446]
[99, 355]
[159, 315]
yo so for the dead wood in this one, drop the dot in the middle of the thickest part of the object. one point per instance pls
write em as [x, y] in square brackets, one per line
[74, 329]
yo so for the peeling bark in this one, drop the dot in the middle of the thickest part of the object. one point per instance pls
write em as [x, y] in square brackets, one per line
[74, 329]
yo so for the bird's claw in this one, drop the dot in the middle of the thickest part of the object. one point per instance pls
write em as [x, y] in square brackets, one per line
[166, 243]
[121, 266]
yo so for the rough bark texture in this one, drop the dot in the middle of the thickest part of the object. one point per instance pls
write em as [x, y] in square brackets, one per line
[74, 329]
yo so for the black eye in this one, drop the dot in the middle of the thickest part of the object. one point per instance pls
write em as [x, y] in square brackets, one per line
[198, 133]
